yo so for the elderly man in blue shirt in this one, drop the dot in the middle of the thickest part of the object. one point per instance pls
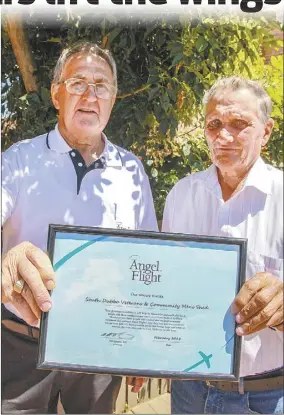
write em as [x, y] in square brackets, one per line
[75, 176]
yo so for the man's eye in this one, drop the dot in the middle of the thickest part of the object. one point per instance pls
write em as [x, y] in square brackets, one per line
[239, 123]
[214, 124]
[102, 88]
[76, 86]
[78, 83]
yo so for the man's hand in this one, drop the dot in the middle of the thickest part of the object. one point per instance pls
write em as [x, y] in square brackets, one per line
[26, 261]
[136, 383]
[259, 304]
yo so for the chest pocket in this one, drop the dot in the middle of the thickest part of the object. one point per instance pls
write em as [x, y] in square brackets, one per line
[262, 263]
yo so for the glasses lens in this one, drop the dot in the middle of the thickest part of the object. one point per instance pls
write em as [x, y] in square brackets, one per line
[76, 86]
[104, 91]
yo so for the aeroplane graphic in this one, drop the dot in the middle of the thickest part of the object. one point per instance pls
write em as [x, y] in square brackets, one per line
[205, 359]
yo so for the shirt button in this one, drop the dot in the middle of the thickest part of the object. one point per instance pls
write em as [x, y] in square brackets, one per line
[73, 154]
[80, 164]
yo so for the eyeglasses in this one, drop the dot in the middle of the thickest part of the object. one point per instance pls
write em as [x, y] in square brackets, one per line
[78, 86]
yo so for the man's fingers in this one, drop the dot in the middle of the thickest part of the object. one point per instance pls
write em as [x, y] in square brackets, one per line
[130, 381]
[251, 330]
[27, 295]
[248, 290]
[42, 262]
[25, 311]
[27, 262]
[263, 318]
[277, 318]
[265, 299]
[138, 384]
[32, 277]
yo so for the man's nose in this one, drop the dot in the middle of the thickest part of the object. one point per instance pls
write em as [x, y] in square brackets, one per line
[225, 135]
[90, 93]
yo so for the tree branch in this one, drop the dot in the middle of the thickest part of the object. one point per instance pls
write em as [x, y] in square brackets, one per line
[130, 94]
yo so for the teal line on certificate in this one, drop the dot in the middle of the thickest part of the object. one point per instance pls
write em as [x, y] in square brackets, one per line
[76, 251]
[206, 358]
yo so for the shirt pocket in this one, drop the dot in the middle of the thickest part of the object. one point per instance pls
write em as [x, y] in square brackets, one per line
[263, 263]
[125, 216]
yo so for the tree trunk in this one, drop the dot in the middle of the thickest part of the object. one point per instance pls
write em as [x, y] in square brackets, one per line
[21, 50]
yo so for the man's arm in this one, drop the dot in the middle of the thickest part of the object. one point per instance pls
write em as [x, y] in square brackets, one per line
[10, 187]
[168, 212]
[149, 219]
[24, 261]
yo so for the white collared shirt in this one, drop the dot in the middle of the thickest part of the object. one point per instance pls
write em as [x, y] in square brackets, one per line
[43, 183]
[195, 206]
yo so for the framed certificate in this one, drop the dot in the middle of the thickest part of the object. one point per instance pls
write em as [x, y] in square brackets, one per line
[142, 304]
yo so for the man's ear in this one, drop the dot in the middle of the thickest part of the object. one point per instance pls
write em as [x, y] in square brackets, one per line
[267, 131]
[55, 95]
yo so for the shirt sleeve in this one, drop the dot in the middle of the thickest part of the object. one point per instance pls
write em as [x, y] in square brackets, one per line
[168, 211]
[149, 219]
[9, 187]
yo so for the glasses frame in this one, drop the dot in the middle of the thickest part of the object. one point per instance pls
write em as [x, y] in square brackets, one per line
[112, 87]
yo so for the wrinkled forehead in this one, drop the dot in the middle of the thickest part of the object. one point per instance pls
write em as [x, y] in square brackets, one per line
[240, 101]
[82, 64]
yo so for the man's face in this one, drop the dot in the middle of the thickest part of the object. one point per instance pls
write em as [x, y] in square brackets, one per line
[234, 130]
[83, 116]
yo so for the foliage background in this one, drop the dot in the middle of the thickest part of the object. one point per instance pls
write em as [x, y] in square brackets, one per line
[163, 70]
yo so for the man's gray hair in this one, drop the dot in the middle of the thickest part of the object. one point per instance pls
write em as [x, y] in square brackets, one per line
[235, 83]
[84, 47]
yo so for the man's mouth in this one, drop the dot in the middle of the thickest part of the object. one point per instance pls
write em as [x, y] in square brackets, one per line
[227, 149]
[87, 111]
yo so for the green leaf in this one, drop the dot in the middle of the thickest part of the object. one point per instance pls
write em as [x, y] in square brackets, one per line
[201, 44]
[177, 59]
[153, 93]
[113, 34]
[140, 116]
[164, 126]
[172, 93]
[45, 96]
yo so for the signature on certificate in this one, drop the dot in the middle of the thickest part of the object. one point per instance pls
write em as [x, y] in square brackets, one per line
[120, 336]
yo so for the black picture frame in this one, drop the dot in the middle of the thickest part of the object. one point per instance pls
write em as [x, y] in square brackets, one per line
[42, 363]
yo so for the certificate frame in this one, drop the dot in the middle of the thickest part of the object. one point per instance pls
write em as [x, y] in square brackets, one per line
[122, 235]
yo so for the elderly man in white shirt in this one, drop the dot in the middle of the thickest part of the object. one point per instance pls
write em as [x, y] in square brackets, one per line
[73, 175]
[239, 196]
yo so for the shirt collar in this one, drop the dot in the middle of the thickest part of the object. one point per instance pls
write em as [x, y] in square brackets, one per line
[258, 177]
[210, 179]
[111, 153]
[56, 142]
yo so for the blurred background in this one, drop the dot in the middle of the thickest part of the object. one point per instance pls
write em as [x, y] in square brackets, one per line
[164, 67]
